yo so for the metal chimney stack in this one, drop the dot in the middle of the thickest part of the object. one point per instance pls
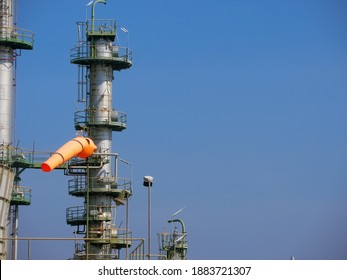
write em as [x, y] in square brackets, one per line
[11, 40]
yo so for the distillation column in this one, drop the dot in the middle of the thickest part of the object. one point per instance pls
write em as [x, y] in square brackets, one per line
[98, 58]
[101, 103]
[11, 39]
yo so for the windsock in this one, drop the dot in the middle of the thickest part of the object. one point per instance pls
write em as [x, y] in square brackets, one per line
[80, 146]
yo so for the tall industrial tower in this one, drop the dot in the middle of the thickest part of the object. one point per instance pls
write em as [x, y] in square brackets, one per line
[12, 41]
[96, 179]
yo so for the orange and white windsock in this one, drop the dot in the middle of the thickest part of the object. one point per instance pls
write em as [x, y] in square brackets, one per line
[80, 146]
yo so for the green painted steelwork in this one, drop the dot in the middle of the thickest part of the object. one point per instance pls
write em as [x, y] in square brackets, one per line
[88, 51]
[93, 10]
[16, 38]
[116, 120]
[77, 216]
[178, 221]
[105, 28]
[96, 179]
[139, 252]
[24, 158]
[86, 54]
[21, 196]
[119, 187]
[39, 242]
[174, 245]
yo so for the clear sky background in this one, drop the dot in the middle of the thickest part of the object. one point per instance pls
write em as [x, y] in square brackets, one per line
[237, 108]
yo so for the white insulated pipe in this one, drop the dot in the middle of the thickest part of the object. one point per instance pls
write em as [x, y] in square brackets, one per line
[6, 72]
[6, 94]
[100, 101]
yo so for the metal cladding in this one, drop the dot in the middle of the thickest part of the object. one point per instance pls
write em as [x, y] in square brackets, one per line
[6, 71]
[11, 39]
[6, 182]
[6, 88]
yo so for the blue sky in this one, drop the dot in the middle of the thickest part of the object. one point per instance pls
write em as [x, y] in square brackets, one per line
[237, 109]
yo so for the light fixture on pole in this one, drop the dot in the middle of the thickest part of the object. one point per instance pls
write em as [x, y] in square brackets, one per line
[148, 182]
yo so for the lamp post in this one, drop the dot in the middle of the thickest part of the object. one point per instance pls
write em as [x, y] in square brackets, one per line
[148, 182]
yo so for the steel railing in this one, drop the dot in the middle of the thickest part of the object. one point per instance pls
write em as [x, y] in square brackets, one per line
[136, 254]
[10, 33]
